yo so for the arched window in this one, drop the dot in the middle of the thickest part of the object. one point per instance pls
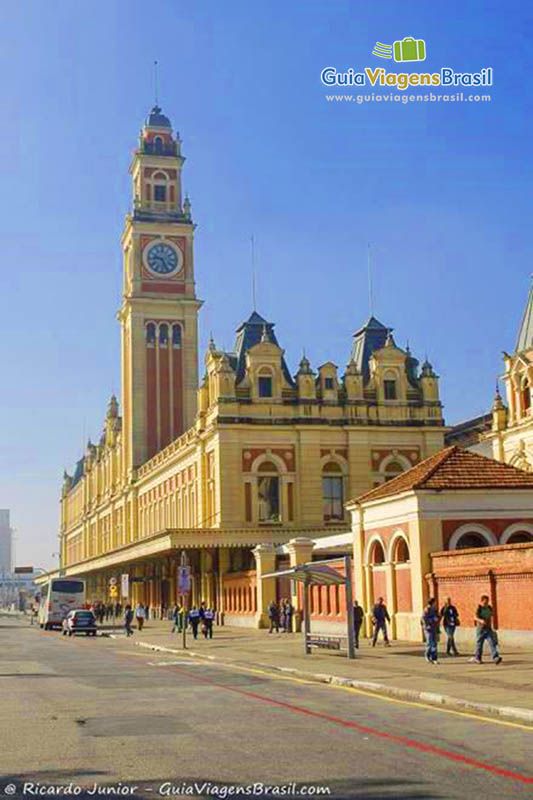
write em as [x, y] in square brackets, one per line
[389, 389]
[150, 334]
[268, 485]
[471, 539]
[163, 335]
[158, 144]
[377, 554]
[401, 552]
[176, 337]
[392, 469]
[519, 537]
[160, 187]
[332, 492]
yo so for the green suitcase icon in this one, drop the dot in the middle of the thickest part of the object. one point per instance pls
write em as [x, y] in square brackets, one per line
[410, 49]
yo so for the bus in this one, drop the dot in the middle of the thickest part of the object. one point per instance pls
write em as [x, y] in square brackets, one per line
[58, 597]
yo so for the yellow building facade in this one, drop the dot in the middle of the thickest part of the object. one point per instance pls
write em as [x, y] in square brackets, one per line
[251, 458]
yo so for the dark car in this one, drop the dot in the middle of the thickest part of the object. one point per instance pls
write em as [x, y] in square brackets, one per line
[79, 621]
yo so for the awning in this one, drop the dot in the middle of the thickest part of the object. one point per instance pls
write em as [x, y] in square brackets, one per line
[311, 572]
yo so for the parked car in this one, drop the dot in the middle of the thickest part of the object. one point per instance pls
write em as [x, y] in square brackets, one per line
[79, 620]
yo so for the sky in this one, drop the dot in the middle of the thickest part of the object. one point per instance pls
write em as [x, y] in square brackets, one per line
[441, 191]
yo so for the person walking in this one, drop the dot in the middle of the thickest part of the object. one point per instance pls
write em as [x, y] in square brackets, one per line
[128, 619]
[450, 621]
[175, 618]
[194, 620]
[289, 612]
[140, 615]
[358, 616]
[430, 622]
[380, 617]
[273, 616]
[207, 623]
[485, 631]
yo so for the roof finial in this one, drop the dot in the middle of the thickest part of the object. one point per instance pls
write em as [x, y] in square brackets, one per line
[252, 242]
[264, 335]
[156, 87]
[370, 292]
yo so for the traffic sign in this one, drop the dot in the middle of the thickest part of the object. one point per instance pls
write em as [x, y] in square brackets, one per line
[113, 591]
[23, 570]
[113, 581]
[184, 579]
[125, 584]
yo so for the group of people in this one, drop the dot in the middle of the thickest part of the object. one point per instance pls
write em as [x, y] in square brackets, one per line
[201, 616]
[431, 621]
[104, 611]
[280, 615]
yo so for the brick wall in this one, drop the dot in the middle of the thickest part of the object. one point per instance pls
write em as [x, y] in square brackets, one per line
[504, 572]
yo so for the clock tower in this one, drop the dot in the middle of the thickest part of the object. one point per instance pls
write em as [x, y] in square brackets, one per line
[159, 306]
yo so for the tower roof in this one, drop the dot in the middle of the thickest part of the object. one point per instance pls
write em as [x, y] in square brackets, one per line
[372, 336]
[156, 119]
[255, 330]
[525, 334]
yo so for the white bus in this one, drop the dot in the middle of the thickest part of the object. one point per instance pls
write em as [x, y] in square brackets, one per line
[58, 597]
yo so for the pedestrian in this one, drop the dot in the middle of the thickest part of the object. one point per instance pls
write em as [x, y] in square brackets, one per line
[194, 620]
[289, 612]
[207, 623]
[380, 617]
[273, 616]
[177, 616]
[282, 614]
[147, 612]
[107, 611]
[450, 621]
[128, 619]
[358, 616]
[484, 630]
[430, 623]
[140, 615]
[101, 611]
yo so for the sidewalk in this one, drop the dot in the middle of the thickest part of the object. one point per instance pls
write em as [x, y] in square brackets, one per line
[400, 671]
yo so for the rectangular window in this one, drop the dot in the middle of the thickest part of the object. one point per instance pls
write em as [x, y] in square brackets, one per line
[390, 390]
[329, 383]
[332, 493]
[265, 387]
[268, 496]
[160, 194]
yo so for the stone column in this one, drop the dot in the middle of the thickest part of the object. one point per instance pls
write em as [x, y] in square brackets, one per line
[300, 551]
[390, 579]
[265, 562]
[223, 568]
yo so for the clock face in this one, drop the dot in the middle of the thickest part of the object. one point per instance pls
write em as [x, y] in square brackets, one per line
[163, 259]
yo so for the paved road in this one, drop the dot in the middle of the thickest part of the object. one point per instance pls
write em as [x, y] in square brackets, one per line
[86, 711]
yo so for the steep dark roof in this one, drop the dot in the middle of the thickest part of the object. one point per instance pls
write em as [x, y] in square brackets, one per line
[156, 118]
[525, 334]
[454, 468]
[372, 336]
[78, 472]
[249, 334]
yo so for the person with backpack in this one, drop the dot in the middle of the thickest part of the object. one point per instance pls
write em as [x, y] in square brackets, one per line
[128, 619]
[450, 621]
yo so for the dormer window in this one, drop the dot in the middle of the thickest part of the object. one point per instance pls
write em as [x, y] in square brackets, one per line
[329, 383]
[158, 144]
[264, 386]
[389, 389]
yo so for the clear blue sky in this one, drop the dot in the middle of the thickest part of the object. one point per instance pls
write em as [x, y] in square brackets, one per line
[442, 191]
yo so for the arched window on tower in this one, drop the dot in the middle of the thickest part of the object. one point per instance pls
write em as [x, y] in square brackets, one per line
[176, 337]
[163, 335]
[268, 486]
[150, 334]
[160, 187]
[158, 144]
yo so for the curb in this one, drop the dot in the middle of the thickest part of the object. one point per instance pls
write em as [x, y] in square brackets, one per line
[510, 713]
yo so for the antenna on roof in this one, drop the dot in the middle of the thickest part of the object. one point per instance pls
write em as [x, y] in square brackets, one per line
[253, 272]
[156, 87]
[370, 292]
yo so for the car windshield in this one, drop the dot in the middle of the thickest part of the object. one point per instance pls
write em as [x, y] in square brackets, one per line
[83, 613]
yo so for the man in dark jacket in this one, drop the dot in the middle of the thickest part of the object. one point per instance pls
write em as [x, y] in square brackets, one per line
[450, 621]
[380, 617]
[128, 619]
[273, 616]
[358, 616]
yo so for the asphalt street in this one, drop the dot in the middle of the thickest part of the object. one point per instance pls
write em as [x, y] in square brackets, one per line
[113, 719]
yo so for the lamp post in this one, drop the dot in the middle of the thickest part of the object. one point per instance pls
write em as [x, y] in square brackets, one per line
[184, 588]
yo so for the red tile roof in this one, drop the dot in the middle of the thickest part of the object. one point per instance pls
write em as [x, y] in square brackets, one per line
[453, 468]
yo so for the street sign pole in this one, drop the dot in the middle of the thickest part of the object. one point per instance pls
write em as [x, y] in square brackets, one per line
[184, 584]
[349, 606]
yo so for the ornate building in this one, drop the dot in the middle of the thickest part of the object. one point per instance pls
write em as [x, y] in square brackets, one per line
[250, 460]
[506, 433]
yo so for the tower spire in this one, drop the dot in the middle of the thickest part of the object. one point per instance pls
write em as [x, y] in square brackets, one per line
[156, 83]
[525, 334]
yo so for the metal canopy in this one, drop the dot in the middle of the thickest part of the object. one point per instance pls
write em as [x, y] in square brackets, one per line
[310, 573]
